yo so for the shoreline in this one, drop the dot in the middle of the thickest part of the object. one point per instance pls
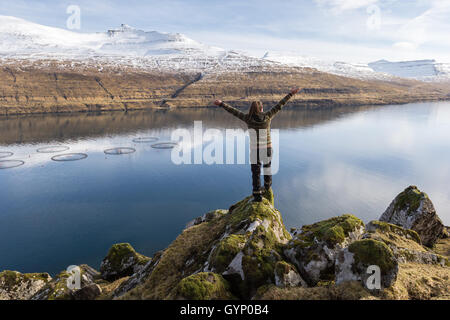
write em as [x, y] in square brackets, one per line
[293, 105]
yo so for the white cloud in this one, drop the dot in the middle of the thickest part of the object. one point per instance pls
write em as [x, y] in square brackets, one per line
[339, 6]
[404, 45]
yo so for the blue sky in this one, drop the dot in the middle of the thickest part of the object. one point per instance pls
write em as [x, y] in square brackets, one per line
[349, 30]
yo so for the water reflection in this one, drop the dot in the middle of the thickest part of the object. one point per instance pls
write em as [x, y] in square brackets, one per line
[331, 162]
[46, 128]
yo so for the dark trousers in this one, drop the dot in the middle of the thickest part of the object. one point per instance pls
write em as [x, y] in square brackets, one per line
[264, 158]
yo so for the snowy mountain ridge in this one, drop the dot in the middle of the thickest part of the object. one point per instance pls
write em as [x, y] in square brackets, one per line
[425, 70]
[148, 50]
[125, 46]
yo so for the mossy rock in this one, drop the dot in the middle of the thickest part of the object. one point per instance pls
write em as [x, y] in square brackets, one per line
[21, 286]
[204, 286]
[286, 275]
[404, 243]
[353, 262]
[332, 231]
[265, 236]
[242, 245]
[389, 227]
[246, 211]
[209, 216]
[57, 288]
[410, 199]
[313, 250]
[122, 260]
[268, 194]
[413, 209]
[226, 250]
[373, 252]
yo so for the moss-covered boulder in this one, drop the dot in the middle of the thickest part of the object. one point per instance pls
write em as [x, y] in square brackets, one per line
[60, 289]
[203, 286]
[286, 275]
[242, 244]
[211, 215]
[21, 286]
[122, 260]
[251, 246]
[404, 243]
[357, 261]
[413, 209]
[138, 277]
[313, 250]
[56, 289]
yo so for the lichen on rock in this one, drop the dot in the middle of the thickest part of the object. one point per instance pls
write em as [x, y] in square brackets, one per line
[413, 209]
[286, 275]
[122, 260]
[313, 250]
[242, 244]
[353, 262]
[261, 234]
[211, 215]
[21, 286]
[57, 288]
[405, 244]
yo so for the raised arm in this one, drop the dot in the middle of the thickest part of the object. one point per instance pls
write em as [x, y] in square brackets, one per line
[272, 112]
[235, 112]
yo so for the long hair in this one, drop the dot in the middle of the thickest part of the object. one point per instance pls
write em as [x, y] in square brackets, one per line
[255, 108]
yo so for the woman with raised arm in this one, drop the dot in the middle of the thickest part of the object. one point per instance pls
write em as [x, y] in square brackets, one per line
[258, 122]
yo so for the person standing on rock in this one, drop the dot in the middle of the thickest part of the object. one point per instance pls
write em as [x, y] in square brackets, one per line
[258, 122]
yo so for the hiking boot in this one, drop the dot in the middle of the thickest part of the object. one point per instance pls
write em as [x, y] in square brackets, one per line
[268, 194]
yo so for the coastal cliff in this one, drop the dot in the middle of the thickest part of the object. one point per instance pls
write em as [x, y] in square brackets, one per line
[245, 252]
[55, 87]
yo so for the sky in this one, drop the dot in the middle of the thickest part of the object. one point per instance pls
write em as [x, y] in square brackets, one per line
[344, 30]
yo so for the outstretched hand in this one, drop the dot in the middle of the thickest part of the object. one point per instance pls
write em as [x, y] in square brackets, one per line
[218, 102]
[295, 90]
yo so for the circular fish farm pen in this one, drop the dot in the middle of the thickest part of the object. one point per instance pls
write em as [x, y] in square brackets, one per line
[52, 149]
[120, 150]
[5, 154]
[165, 145]
[8, 164]
[145, 139]
[69, 157]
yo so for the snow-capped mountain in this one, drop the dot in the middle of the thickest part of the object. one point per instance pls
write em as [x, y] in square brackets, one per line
[425, 70]
[20, 39]
[353, 70]
[127, 46]
[419, 69]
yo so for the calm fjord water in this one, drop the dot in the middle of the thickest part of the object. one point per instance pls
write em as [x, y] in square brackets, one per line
[345, 160]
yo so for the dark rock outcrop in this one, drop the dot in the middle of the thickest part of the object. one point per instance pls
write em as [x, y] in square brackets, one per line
[122, 260]
[89, 292]
[413, 209]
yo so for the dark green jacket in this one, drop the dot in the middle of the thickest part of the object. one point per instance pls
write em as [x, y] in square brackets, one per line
[260, 122]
